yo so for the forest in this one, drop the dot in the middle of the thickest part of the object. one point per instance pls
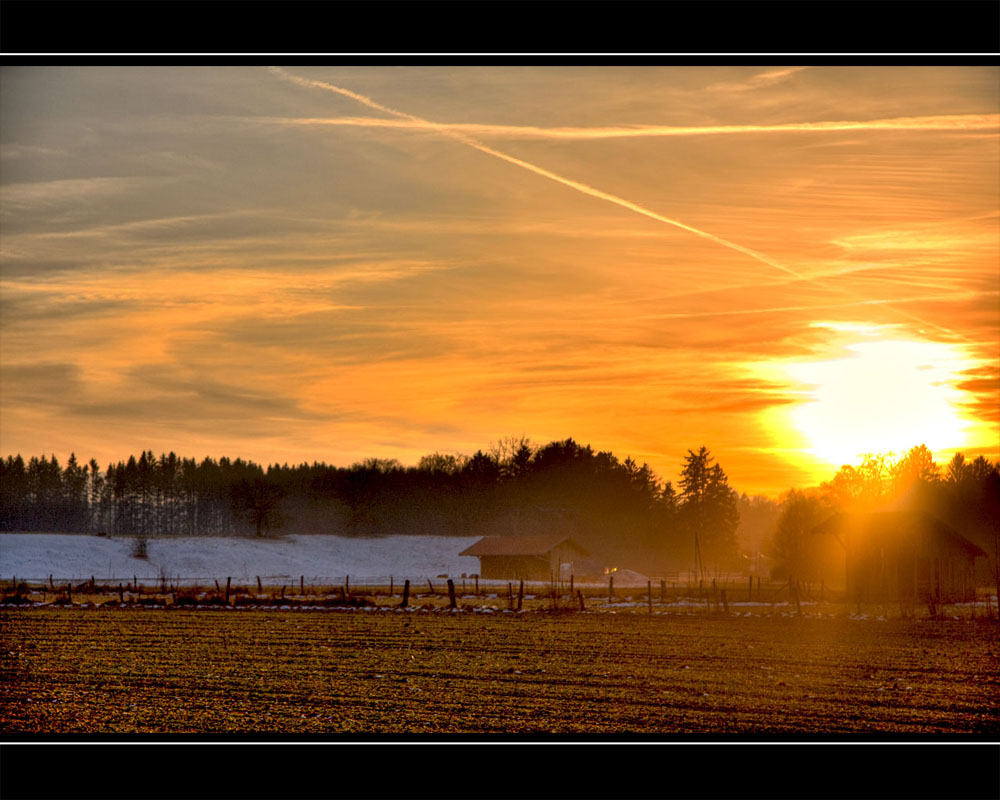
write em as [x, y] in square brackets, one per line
[615, 508]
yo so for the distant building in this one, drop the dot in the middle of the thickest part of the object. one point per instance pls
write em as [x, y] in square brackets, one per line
[529, 558]
[904, 555]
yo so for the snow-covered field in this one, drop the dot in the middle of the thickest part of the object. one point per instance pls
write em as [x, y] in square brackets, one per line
[319, 559]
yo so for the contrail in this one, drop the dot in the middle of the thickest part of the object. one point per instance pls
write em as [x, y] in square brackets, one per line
[448, 130]
[577, 185]
[947, 122]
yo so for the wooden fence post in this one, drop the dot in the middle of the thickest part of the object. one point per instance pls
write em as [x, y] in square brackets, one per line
[391, 587]
[302, 584]
[477, 584]
[259, 587]
[52, 586]
[520, 595]
[725, 605]
[451, 594]
[121, 595]
[228, 582]
[510, 596]
[571, 584]
[406, 595]
[663, 591]
[611, 588]
[347, 583]
[579, 596]
[649, 595]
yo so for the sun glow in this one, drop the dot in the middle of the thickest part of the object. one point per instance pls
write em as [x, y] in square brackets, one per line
[885, 395]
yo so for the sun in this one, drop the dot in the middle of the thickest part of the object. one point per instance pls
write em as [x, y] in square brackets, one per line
[887, 394]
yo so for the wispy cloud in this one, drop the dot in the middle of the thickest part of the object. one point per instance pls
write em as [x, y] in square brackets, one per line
[583, 187]
[759, 81]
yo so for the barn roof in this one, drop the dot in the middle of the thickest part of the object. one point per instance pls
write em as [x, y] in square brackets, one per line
[915, 526]
[518, 545]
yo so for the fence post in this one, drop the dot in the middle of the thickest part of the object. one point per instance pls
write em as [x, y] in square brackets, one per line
[520, 595]
[571, 584]
[302, 584]
[663, 591]
[228, 582]
[121, 595]
[649, 595]
[259, 587]
[406, 595]
[347, 583]
[725, 605]
[391, 587]
[477, 584]
[451, 594]
[611, 588]
[510, 596]
[52, 586]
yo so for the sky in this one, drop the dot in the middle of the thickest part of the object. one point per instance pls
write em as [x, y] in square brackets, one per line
[790, 265]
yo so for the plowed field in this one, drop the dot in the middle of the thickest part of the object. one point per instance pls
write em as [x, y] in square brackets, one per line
[134, 670]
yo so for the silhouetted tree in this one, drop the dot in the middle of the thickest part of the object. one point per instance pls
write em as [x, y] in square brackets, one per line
[257, 499]
[799, 553]
[709, 510]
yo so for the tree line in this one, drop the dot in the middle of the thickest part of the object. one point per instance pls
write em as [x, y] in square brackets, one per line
[613, 507]
[964, 494]
[618, 509]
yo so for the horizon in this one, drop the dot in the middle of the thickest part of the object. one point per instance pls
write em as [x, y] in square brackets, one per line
[793, 266]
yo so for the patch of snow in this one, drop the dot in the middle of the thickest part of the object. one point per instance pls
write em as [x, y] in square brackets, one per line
[328, 560]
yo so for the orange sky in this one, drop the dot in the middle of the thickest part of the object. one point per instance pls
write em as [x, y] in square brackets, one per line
[790, 265]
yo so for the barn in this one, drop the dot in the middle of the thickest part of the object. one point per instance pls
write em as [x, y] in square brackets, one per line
[529, 558]
[905, 555]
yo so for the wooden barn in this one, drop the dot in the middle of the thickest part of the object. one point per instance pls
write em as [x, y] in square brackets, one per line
[529, 558]
[904, 555]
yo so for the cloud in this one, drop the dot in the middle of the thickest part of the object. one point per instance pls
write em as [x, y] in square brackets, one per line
[45, 194]
[759, 81]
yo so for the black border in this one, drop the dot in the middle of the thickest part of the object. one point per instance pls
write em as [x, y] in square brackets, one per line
[487, 32]
[517, 772]
[505, 27]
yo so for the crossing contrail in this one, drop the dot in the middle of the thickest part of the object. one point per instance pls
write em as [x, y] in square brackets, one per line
[457, 134]
[577, 185]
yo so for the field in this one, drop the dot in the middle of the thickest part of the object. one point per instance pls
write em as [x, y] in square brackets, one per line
[112, 670]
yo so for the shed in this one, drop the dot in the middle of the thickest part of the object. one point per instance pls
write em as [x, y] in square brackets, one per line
[529, 558]
[905, 555]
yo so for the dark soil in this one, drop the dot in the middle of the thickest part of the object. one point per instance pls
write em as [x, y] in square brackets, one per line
[111, 670]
